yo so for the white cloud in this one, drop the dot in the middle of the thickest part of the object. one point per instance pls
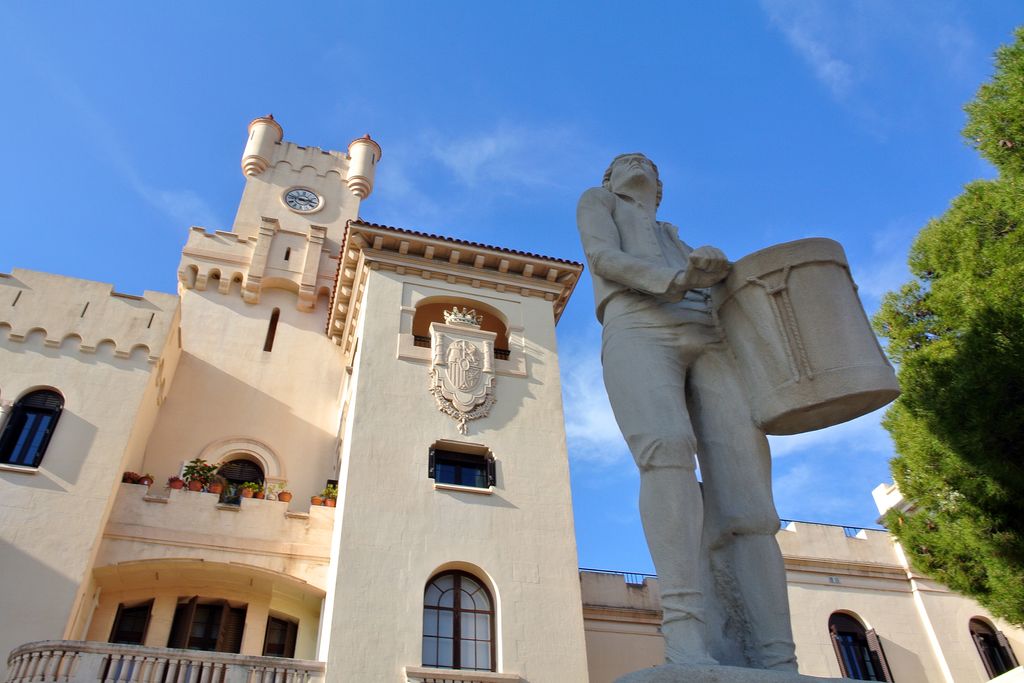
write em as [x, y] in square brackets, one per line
[590, 426]
[805, 25]
[863, 434]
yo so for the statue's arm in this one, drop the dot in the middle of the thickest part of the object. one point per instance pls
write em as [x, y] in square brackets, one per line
[601, 243]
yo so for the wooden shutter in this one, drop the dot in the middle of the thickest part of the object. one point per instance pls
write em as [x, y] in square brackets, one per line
[878, 654]
[232, 624]
[183, 616]
[492, 476]
[839, 651]
[430, 464]
[289, 643]
[1007, 650]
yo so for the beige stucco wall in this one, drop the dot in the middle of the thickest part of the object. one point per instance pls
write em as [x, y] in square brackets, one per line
[279, 408]
[395, 530]
[923, 627]
[99, 349]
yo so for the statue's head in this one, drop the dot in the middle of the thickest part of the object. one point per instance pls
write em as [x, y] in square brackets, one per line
[630, 168]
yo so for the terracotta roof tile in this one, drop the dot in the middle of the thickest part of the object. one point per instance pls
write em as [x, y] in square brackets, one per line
[467, 242]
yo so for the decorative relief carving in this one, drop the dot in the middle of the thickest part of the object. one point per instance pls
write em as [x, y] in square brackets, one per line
[462, 367]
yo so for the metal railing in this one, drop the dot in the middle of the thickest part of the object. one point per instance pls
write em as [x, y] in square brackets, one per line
[632, 578]
[424, 342]
[75, 661]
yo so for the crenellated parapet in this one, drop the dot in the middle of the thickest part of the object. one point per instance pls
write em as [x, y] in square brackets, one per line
[273, 258]
[84, 316]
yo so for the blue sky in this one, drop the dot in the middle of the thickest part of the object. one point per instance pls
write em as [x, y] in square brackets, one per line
[770, 121]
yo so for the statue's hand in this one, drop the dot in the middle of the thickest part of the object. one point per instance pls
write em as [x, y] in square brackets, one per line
[706, 266]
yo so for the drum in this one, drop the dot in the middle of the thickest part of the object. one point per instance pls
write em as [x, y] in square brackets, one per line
[803, 343]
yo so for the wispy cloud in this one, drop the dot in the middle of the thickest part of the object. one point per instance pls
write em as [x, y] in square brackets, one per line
[885, 268]
[181, 206]
[850, 44]
[590, 426]
[806, 26]
[863, 434]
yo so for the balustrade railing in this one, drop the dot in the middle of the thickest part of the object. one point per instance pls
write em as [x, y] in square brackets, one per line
[72, 661]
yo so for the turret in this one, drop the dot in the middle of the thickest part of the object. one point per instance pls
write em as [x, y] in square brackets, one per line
[264, 133]
[363, 154]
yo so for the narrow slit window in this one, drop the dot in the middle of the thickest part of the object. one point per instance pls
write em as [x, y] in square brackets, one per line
[268, 345]
[287, 253]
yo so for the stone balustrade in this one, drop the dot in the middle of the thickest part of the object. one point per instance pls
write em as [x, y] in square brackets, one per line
[420, 674]
[73, 661]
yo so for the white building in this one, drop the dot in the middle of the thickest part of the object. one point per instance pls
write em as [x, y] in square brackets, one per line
[419, 374]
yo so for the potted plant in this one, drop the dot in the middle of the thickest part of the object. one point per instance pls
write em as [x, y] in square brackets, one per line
[316, 500]
[216, 485]
[250, 488]
[198, 473]
[330, 495]
[130, 478]
[146, 480]
[175, 482]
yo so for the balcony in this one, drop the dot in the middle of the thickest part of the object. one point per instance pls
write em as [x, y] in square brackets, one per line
[75, 661]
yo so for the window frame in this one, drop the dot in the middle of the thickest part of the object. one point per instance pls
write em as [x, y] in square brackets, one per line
[181, 635]
[457, 611]
[855, 644]
[291, 627]
[48, 403]
[121, 609]
[988, 639]
[485, 463]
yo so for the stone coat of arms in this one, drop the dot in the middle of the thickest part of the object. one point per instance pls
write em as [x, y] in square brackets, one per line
[462, 367]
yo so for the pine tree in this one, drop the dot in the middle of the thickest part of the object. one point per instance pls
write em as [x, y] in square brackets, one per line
[956, 332]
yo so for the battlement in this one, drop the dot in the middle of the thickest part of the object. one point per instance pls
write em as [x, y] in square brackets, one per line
[85, 316]
[321, 161]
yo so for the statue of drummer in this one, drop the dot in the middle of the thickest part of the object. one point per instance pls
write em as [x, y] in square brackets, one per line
[678, 400]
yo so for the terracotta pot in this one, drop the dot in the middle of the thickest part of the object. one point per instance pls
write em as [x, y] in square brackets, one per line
[260, 495]
[195, 486]
[215, 488]
[285, 496]
[316, 500]
[146, 481]
[176, 484]
[246, 493]
[330, 502]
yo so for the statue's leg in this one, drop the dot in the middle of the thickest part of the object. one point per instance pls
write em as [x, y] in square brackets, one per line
[646, 379]
[741, 518]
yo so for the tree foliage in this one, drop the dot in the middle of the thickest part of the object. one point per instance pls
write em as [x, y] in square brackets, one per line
[956, 332]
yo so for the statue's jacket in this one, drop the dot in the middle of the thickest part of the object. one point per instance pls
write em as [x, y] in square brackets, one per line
[633, 260]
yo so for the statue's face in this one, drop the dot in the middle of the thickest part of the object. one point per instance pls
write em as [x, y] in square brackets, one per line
[631, 169]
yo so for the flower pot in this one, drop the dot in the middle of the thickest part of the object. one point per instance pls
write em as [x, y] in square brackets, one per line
[215, 488]
[176, 484]
[316, 500]
[146, 481]
[259, 495]
[285, 496]
[129, 478]
[330, 502]
[195, 486]
[246, 493]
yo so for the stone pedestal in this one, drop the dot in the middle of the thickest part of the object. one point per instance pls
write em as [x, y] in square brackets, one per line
[684, 673]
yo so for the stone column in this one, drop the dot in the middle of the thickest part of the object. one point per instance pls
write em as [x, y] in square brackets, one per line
[5, 411]
[256, 614]
[161, 617]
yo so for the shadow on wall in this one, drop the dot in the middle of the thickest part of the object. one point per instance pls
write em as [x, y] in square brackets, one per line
[216, 405]
[36, 604]
[905, 664]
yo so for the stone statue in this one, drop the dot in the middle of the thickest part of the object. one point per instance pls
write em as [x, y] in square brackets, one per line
[676, 393]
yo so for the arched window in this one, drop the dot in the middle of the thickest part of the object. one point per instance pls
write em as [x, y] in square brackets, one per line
[995, 651]
[29, 428]
[458, 623]
[235, 473]
[433, 312]
[859, 651]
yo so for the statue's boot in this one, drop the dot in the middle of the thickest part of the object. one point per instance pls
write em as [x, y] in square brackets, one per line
[686, 635]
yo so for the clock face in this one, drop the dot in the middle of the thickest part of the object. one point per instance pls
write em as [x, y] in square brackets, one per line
[302, 200]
